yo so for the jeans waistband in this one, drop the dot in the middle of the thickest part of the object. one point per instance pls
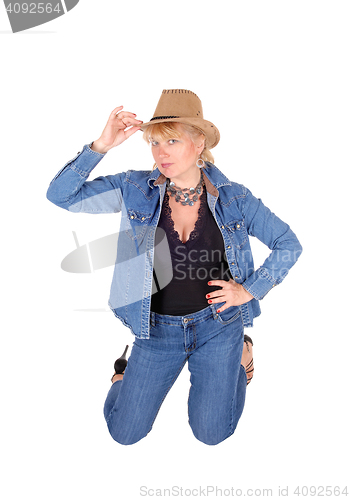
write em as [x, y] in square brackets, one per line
[196, 317]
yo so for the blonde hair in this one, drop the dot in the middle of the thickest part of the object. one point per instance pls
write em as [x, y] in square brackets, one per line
[173, 130]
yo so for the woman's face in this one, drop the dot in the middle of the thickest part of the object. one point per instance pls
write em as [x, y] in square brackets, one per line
[176, 158]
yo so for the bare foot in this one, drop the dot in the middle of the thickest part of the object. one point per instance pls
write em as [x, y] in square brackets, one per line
[247, 360]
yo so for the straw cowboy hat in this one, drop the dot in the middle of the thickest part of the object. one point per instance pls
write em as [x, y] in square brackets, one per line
[183, 106]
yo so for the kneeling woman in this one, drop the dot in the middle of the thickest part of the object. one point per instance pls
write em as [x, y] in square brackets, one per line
[184, 279]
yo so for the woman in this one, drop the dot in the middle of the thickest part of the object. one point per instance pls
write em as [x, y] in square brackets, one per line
[184, 280]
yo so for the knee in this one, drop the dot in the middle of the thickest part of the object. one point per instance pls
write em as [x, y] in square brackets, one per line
[125, 438]
[208, 434]
[209, 438]
[124, 434]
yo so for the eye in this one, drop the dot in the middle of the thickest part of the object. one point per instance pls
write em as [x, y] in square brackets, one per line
[172, 141]
[154, 143]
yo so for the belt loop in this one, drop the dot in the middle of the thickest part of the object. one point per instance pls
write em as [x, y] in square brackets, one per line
[153, 318]
[213, 310]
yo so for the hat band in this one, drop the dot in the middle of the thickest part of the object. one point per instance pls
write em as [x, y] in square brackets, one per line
[163, 117]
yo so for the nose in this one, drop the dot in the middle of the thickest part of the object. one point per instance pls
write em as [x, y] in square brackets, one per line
[162, 152]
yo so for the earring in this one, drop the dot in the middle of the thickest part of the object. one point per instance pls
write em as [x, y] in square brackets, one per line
[200, 162]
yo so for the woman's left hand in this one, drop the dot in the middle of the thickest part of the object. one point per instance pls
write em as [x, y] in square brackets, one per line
[231, 292]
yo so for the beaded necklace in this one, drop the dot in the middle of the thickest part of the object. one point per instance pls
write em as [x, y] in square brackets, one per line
[184, 195]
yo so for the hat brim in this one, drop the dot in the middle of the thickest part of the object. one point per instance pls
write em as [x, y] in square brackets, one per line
[209, 130]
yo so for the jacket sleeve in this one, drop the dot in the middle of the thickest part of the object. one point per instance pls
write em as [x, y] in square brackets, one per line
[277, 235]
[70, 189]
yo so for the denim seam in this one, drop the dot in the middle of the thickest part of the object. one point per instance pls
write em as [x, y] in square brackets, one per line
[82, 173]
[140, 189]
[113, 407]
[229, 202]
[125, 323]
[94, 211]
[228, 322]
[94, 153]
[194, 345]
[234, 399]
[157, 322]
[231, 430]
[200, 320]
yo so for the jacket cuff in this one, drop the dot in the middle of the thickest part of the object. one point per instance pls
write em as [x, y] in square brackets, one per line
[85, 161]
[259, 283]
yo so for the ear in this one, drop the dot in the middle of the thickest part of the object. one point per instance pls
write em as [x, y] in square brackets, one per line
[201, 146]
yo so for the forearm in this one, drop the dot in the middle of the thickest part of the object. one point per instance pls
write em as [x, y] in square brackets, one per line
[278, 236]
[272, 272]
[72, 176]
[70, 189]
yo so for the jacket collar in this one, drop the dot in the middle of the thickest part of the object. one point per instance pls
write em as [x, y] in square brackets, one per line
[213, 179]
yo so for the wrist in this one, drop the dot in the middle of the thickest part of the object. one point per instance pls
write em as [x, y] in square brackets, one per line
[248, 295]
[99, 147]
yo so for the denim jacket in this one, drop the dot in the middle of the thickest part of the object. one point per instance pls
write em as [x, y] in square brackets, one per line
[138, 195]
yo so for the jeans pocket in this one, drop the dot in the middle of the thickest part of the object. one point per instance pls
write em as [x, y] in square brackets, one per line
[229, 315]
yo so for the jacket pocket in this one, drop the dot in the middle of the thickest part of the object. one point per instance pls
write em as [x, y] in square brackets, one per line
[139, 222]
[237, 232]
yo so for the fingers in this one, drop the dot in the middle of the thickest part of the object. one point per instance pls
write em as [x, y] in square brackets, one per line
[131, 131]
[132, 122]
[118, 114]
[232, 294]
[222, 295]
[222, 308]
[217, 283]
[218, 299]
[215, 299]
[125, 120]
[125, 115]
[115, 111]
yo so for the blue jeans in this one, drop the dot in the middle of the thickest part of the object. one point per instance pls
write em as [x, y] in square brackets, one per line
[212, 345]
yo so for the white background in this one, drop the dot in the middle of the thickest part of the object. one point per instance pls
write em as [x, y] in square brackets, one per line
[274, 78]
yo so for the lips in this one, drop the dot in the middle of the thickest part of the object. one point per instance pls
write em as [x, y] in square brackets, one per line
[166, 165]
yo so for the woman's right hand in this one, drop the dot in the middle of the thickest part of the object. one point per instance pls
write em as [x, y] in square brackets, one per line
[117, 130]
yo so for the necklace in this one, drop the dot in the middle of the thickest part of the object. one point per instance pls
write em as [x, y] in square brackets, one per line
[183, 196]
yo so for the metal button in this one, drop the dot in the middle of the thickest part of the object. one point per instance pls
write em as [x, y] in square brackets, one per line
[238, 226]
[229, 246]
[222, 227]
[143, 218]
[185, 320]
[132, 217]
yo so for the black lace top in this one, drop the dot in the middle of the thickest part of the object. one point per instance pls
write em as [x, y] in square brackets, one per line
[193, 263]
